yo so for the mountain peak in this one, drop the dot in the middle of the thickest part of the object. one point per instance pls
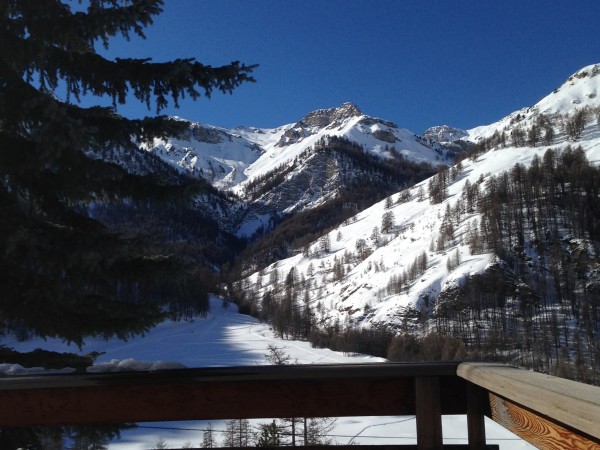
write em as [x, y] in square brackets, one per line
[349, 108]
[587, 72]
[322, 118]
[444, 133]
[579, 89]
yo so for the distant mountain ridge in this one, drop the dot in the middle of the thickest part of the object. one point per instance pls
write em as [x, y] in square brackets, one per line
[444, 133]
[243, 159]
[226, 157]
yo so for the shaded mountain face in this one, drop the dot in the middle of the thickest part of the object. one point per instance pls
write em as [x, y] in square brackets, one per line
[453, 141]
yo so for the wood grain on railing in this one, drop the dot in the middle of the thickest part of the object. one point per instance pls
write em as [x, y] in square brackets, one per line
[547, 411]
[535, 429]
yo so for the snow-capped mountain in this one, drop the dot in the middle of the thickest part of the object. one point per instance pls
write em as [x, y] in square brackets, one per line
[229, 158]
[378, 137]
[290, 168]
[444, 133]
[216, 154]
[397, 260]
[393, 262]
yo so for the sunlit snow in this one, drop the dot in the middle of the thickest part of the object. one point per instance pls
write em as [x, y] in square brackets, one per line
[227, 338]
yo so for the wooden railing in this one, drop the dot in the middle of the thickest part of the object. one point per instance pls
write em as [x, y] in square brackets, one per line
[549, 412]
[546, 411]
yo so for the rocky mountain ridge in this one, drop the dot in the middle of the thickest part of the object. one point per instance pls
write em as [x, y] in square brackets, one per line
[281, 171]
[444, 133]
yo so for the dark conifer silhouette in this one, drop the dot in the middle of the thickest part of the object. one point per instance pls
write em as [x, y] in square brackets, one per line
[63, 273]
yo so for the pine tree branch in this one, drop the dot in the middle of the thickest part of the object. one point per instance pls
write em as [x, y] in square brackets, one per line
[53, 22]
[23, 108]
[62, 271]
[54, 44]
[89, 73]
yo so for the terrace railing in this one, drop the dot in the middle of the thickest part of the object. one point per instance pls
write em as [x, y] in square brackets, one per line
[549, 412]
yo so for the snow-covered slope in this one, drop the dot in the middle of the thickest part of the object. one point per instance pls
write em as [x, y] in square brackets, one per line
[376, 136]
[218, 155]
[350, 272]
[580, 90]
[247, 160]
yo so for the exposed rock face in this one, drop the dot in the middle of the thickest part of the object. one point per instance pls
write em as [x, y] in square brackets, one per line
[586, 72]
[444, 133]
[368, 121]
[384, 135]
[300, 188]
[208, 135]
[323, 118]
[334, 118]
[318, 120]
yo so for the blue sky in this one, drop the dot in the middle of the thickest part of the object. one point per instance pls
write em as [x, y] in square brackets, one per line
[417, 63]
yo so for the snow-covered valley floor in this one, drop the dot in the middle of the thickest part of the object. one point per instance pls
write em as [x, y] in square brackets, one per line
[227, 338]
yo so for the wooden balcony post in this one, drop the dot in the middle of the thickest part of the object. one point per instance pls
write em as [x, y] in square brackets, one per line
[429, 413]
[476, 416]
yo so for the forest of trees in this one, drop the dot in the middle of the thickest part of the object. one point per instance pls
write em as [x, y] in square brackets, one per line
[538, 306]
[364, 179]
[541, 131]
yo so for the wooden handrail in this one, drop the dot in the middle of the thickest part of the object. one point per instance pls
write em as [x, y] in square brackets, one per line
[224, 393]
[549, 412]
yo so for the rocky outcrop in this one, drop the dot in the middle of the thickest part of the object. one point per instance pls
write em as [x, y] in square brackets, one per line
[318, 120]
[205, 134]
[444, 133]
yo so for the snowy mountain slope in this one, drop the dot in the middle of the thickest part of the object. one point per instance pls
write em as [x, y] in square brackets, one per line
[580, 90]
[349, 274]
[376, 136]
[245, 160]
[229, 158]
[216, 154]
[309, 165]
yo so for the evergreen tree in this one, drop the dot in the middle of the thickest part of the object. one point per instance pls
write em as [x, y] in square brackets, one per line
[269, 435]
[237, 433]
[62, 273]
[208, 438]
[387, 222]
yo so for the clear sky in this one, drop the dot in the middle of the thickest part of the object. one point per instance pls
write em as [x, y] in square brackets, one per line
[418, 63]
